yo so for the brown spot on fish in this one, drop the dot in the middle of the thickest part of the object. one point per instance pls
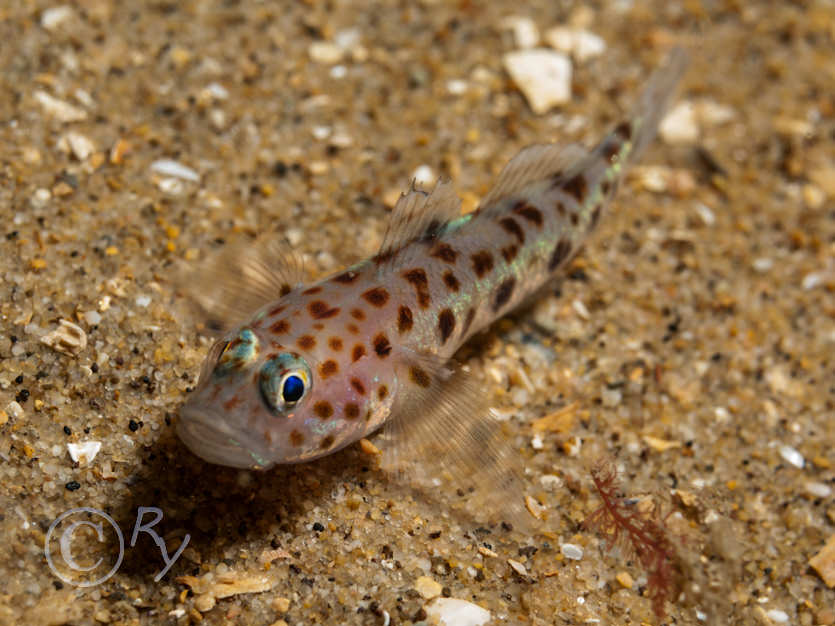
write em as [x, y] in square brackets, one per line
[306, 342]
[444, 252]
[352, 328]
[347, 277]
[404, 319]
[512, 226]
[231, 403]
[417, 278]
[280, 327]
[311, 291]
[468, 321]
[382, 392]
[482, 262]
[376, 296]
[327, 442]
[321, 310]
[575, 219]
[274, 312]
[358, 314]
[356, 383]
[509, 253]
[446, 324]
[576, 187]
[296, 438]
[595, 215]
[381, 345]
[530, 213]
[624, 131]
[328, 368]
[451, 281]
[560, 254]
[419, 376]
[383, 257]
[285, 289]
[352, 411]
[335, 344]
[358, 352]
[560, 208]
[503, 293]
[323, 409]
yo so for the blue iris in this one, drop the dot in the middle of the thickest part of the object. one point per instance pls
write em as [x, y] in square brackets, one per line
[293, 388]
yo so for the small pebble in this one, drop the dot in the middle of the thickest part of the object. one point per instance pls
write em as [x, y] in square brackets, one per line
[705, 213]
[325, 52]
[455, 612]
[819, 490]
[517, 567]
[792, 456]
[824, 562]
[571, 551]
[543, 76]
[53, 17]
[80, 145]
[428, 588]
[679, 126]
[424, 176]
[169, 167]
[625, 580]
[581, 44]
[763, 264]
[67, 338]
[777, 616]
[14, 409]
[525, 32]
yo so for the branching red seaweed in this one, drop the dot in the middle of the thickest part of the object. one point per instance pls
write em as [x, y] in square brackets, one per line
[644, 536]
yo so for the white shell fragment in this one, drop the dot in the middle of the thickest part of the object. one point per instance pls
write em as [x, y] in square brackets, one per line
[455, 612]
[84, 452]
[60, 110]
[53, 17]
[80, 145]
[169, 167]
[67, 338]
[543, 76]
[572, 551]
[792, 456]
[581, 44]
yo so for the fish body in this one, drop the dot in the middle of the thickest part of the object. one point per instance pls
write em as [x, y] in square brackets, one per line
[311, 368]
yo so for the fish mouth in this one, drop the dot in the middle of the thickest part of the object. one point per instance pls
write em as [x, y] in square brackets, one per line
[206, 435]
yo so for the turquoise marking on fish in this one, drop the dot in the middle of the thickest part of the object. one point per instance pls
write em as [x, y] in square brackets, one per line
[304, 370]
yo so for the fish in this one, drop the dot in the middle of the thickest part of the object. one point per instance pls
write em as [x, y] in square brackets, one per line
[301, 370]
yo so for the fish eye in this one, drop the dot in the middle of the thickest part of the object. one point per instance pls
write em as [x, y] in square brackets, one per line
[284, 381]
[292, 389]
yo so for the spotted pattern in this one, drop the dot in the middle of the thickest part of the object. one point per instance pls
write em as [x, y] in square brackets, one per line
[509, 253]
[576, 187]
[323, 409]
[377, 296]
[417, 278]
[560, 253]
[511, 226]
[356, 383]
[358, 314]
[276, 310]
[327, 442]
[382, 346]
[482, 262]
[444, 252]
[503, 293]
[382, 392]
[419, 376]
[296, 438]
[306, 342]
[446, 324]
[280, 327]
[530, 213]
[346, 278]
[352, 411]
[312, 290]
[320, 310]
[328, 368]
[405, 319]
[358, 352]
[335, 344]
[451, 281]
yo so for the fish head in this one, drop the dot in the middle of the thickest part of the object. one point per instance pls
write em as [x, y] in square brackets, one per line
[261, 401]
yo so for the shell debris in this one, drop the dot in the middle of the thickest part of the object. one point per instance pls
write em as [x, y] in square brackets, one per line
[543, 76]
[67, 339]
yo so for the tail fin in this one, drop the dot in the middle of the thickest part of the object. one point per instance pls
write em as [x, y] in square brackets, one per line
[654, 101]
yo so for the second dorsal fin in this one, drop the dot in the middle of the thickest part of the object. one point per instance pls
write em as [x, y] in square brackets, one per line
[532, 164]
[420, 214]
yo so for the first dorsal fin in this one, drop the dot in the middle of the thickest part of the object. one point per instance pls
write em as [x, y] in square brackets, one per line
[420, 214]
[532, 164]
